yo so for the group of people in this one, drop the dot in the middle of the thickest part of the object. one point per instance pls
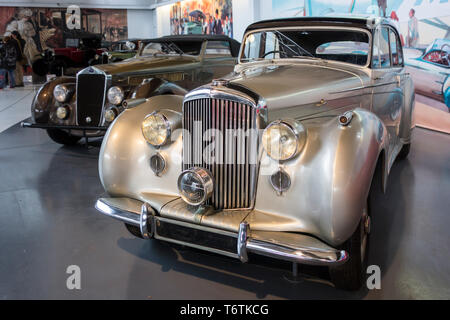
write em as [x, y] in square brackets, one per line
[12, 60]
[217, 25]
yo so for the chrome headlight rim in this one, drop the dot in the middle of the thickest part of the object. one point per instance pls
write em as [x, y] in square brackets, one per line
[61, 93]
[117, 97]
[207, 180]
[167, 125]
[296, 128]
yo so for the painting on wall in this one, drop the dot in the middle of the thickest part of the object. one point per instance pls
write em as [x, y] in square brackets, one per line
[202, 17]
[45, 28]
[424, 28]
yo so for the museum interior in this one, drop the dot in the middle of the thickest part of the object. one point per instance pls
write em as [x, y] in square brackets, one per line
[108, 189]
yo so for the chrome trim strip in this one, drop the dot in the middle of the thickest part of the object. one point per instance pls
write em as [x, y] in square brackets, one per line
[118, 214]
[147, 213]
[309, 256]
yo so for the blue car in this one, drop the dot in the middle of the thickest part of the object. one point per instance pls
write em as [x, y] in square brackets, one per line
[430, 70]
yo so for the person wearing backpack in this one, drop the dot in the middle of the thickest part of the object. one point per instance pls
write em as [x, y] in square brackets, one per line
[9, 59]
[2, 65]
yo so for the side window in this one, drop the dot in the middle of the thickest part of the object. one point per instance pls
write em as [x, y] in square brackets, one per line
[394, 48]
[381, 54]
[221, 48]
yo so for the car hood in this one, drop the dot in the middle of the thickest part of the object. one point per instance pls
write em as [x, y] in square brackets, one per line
[146, 64]
[300, 84]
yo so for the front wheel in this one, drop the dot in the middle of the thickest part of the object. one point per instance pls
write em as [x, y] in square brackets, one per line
[350, 275]
[62, 137]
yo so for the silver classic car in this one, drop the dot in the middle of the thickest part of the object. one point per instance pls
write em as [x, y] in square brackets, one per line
[279, 158]
[70, 108]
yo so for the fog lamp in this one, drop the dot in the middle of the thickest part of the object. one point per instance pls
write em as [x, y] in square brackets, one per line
[62, 113]
[111, 114]
[195, 185]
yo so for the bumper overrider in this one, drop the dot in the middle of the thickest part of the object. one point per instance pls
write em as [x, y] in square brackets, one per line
[293, 247]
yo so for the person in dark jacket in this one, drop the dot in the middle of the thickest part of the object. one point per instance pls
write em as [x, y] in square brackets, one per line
[2, 63]
[9, 59]
[21, 61]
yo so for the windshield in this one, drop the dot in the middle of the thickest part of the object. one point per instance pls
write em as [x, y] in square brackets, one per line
[172, 47]
[338, 45]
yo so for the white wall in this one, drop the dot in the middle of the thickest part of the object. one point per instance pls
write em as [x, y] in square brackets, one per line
[141, 23]
[163, 21]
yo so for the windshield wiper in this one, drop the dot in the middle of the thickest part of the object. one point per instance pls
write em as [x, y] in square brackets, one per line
[173, 47]
[293, 44]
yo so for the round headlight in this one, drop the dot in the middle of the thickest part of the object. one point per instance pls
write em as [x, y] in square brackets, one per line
[62, 112]
[111, 114]
[115, 95]
[283, 139]
[61, 93]
[195, 185]
[156, 129]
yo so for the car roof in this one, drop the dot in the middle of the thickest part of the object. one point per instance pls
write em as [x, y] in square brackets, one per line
[367, 22]
[235, 45]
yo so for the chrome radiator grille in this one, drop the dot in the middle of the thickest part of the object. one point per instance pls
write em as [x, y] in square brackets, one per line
[229, 150]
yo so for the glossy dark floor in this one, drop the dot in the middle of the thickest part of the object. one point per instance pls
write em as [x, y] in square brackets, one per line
[48, 222]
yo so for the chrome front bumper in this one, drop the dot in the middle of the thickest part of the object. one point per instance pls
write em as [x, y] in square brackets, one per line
[285, 246]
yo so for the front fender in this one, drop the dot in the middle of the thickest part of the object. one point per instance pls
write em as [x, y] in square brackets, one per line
[330, 180]
[44, 103]
[125, 155]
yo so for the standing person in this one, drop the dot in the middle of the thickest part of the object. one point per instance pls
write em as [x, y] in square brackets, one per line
[217, 24]
[413, 30]
[10, 60]
[19, 43]
[382, 5]
[2, 64]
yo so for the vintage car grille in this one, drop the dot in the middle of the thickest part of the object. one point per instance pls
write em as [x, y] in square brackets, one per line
[90, 96]
[234, 160]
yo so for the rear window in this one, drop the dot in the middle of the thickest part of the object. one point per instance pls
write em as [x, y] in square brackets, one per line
[218, 48]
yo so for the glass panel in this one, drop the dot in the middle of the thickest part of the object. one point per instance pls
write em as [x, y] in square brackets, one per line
[381, 54]
[394, 49]
[218, 48]
[338, 45]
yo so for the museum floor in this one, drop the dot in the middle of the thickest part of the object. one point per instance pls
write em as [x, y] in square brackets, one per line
[48, 222]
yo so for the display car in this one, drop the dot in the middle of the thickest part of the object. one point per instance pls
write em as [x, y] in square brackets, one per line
[119, 50]
[70, 108]
[279, 158]
[431, 69]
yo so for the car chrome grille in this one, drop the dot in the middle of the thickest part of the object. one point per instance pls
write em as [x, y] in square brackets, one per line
[90, 98]
[233, 162]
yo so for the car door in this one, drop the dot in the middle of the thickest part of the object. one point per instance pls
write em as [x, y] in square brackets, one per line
[387, 82]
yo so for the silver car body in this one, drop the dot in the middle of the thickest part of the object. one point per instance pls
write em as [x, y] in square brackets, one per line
[330, 178]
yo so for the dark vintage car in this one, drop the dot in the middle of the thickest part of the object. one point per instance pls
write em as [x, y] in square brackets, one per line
[70, 108]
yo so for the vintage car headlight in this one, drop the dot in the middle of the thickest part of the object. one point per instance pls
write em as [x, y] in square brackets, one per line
[111, 114]
[195, 185]
[156, 129]
[115, 95]
[62, 112]
[61, 93]
[284, 139]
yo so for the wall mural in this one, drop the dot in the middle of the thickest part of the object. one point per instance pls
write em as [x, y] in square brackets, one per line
[424, 27]
[202, 17]
[44, 28]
